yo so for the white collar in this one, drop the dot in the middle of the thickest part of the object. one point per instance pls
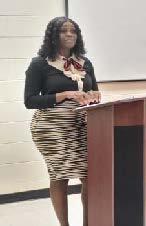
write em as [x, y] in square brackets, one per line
[73, 73]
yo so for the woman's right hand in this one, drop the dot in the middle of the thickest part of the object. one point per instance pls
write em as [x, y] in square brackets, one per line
[79, 96]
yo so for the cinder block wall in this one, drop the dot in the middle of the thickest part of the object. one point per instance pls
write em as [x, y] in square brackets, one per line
[22, 26]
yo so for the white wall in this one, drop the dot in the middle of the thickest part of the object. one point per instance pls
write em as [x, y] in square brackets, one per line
[115, 36]
[22, 26]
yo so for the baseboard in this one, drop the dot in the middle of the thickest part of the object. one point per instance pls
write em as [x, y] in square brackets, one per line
[35, 194]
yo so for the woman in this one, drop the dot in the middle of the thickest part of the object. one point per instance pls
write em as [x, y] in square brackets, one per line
[59, 79]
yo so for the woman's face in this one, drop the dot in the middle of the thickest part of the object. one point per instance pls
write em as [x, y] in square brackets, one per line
[67, 35]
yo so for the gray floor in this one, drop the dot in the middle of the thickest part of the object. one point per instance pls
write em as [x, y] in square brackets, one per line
[39, 212]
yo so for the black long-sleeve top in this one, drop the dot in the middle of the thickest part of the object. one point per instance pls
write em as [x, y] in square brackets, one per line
[43, 81]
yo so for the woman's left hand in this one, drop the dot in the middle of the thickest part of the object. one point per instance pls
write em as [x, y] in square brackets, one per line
[94, 96]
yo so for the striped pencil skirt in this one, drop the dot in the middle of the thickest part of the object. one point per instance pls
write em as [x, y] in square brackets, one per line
[60, 135]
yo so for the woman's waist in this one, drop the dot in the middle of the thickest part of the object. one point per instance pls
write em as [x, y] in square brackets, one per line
[65, 107]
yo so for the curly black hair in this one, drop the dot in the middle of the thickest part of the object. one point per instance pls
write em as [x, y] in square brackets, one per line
[50, 46]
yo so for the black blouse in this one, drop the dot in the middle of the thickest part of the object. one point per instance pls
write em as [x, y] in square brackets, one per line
[43, 81]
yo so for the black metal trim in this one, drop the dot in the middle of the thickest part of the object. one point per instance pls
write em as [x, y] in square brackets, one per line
[35, 194]
[128, 80]
[66, 8]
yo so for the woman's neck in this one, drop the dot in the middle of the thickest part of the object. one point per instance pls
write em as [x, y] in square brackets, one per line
[65, 52]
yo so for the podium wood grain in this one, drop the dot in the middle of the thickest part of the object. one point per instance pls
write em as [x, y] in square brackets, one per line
[116, 164]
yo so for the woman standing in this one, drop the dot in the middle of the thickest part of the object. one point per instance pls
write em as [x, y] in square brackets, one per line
[59, 79]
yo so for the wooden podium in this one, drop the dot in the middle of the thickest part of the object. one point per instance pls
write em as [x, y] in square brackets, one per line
[117, 163]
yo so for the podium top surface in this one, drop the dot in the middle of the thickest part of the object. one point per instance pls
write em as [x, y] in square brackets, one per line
[111, 101]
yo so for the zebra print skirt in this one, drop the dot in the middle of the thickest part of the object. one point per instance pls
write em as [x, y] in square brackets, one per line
[60, 135]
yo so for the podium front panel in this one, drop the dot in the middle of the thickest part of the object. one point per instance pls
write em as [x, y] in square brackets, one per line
[117, 164]
[101, 167]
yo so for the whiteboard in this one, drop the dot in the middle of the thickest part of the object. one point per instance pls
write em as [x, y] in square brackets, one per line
[114, 33]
